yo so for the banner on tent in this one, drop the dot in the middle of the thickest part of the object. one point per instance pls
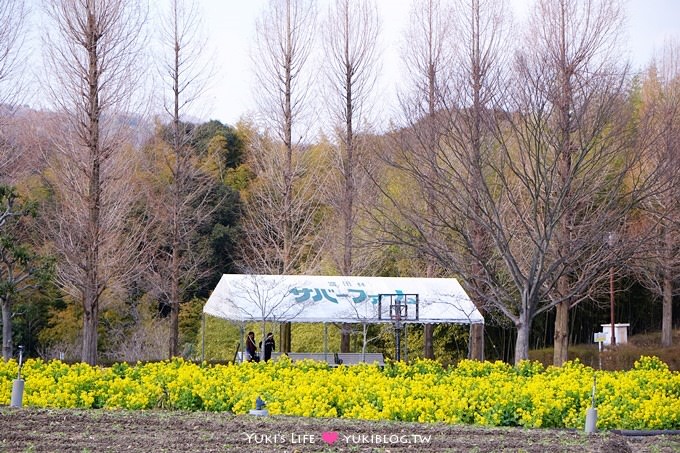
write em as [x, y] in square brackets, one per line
[309, 298]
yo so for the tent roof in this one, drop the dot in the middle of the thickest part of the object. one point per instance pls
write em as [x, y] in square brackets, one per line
[313, 298]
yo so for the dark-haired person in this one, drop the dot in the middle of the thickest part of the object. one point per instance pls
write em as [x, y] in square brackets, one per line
[251, 348]
[269, 346]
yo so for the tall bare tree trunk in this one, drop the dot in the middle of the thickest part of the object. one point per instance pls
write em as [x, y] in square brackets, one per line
[350, 40]
[667, 304]
[659, 261]
[179, 173]
[478, 73]
[345, 337]
[287, 135]
[565, 149]
[93, 112]
[181, 200]
[667, 313]
[523, 331]
[174, 299]
[476, 348]
[349, 161]
[347, 211]
[7, 345]
[561, 337]
[90, 323]
[91, 52]
[433, 50]
[287, 111]
[283, 234]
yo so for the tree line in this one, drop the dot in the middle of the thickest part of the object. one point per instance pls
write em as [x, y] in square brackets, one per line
[530, 162]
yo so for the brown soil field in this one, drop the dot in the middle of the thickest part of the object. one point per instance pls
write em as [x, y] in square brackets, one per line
[58, 430]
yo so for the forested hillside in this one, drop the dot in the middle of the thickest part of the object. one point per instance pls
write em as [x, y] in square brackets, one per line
[526, 160]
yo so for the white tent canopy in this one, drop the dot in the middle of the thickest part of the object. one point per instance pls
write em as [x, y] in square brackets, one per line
[312, 298]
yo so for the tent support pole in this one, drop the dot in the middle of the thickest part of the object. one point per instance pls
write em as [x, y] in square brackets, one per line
[243, 342]
[406, 342]
[203, 338]
[325, 342]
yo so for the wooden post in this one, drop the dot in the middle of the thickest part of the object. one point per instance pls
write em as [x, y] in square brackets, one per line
[428, 349]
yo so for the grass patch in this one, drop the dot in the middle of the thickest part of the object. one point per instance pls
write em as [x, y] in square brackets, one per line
[622, 357]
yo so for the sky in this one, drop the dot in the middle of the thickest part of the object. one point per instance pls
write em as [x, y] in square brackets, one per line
[229, 27]
[230, 24]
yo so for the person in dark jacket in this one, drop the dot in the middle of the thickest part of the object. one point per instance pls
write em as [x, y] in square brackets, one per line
[251, 348]
[269, 346]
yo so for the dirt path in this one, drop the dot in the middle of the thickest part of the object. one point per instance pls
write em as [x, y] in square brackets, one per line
[41, 430]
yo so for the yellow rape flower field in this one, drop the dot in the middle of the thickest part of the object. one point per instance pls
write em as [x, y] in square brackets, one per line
[480, 393]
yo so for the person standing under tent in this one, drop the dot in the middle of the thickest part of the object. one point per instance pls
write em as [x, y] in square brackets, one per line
[251, 348]
[269, 346]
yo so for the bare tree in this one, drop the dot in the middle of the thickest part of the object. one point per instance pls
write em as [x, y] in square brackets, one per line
[12, 21]
[91, 50]
[658, 263]
[282, 210]
[456, 83]
[8, 202]
[427, 55]
[479, 84]
[279, 157]
[513, 182]
[351, 34]
[575, 44]
[181, 200]
[569, 188]
[264, 217]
